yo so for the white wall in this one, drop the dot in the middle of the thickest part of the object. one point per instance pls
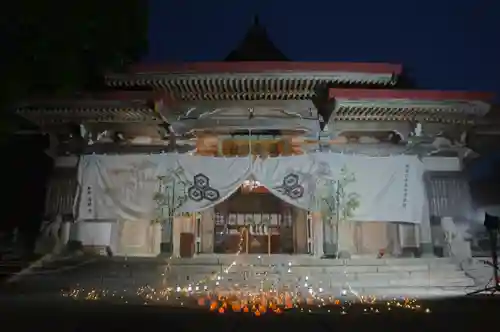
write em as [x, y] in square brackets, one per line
[70, 161]
[442, 164]
[124, 238]
[90, 233]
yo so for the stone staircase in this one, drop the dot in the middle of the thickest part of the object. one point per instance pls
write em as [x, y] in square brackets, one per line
[422, 277]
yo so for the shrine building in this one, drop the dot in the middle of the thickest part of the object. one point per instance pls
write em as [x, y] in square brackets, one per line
[247, 155]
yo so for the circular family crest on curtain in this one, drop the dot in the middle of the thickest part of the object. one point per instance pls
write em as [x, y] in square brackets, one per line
[291, 187]
[201, 189]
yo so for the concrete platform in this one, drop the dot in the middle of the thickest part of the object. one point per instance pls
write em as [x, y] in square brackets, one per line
[420, 277]
[423, 277]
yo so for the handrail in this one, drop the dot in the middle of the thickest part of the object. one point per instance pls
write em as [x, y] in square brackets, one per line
[459, 248]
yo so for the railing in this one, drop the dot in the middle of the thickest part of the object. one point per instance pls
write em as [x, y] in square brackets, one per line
[460, 251]
[458, 248]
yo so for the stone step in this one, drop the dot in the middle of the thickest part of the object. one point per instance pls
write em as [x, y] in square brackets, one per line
[285, 260]
[386, 291]
[297, 275]
[366, 275]
[325, 283]
[334, 270]
[196, 269]
[411, 292]
[332, 265]
[200, 260]
[330, 286]
[323, 278]
[438, 273]
[407, 275]
[294, 275]
[339, 289]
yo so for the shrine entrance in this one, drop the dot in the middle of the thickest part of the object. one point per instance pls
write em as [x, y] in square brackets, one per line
[254, 221]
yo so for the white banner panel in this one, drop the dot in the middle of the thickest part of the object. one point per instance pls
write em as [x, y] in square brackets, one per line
[208, 181]
[389, 189]
[124, 186]
[292, 179]
[121, 186]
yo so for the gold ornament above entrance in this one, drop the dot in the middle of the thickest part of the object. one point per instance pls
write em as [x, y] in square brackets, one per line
[253, 186]
[231, 147]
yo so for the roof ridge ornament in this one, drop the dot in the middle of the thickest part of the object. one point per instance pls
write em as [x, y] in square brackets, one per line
[256, 45]
[256, 20]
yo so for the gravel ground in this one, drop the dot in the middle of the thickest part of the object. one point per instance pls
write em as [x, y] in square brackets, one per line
[35, 301]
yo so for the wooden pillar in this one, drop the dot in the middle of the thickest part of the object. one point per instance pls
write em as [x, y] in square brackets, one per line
[287, 146]
[269, 242]
[176, 236]
[317, 234]
[220, 147]
[197, 220]
[394, 240]
[181, 224]
[409, 237]
[264, 151]
[424, 228]
[247, 238]
[207, 231]
[299, 230]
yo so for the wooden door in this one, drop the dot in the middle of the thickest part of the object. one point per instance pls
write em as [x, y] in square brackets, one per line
[187, 245]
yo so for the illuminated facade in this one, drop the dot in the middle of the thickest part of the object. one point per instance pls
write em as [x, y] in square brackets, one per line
[257, 103]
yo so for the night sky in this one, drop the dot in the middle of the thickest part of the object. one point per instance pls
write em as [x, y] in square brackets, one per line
[443, 44]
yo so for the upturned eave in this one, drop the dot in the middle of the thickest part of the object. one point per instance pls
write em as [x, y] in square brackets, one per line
[119, 107]
[248, 80]
[401, 105]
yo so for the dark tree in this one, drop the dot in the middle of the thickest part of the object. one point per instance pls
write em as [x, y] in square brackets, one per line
[55, 49]
[61, 47]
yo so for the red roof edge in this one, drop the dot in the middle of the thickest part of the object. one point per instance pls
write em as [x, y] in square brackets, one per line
[267, 66]
[435, 95]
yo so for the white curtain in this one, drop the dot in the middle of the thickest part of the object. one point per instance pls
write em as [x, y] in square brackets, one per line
[389, 189]
[120, 187]
[209, 180]
[124, 186]
[292, 179]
